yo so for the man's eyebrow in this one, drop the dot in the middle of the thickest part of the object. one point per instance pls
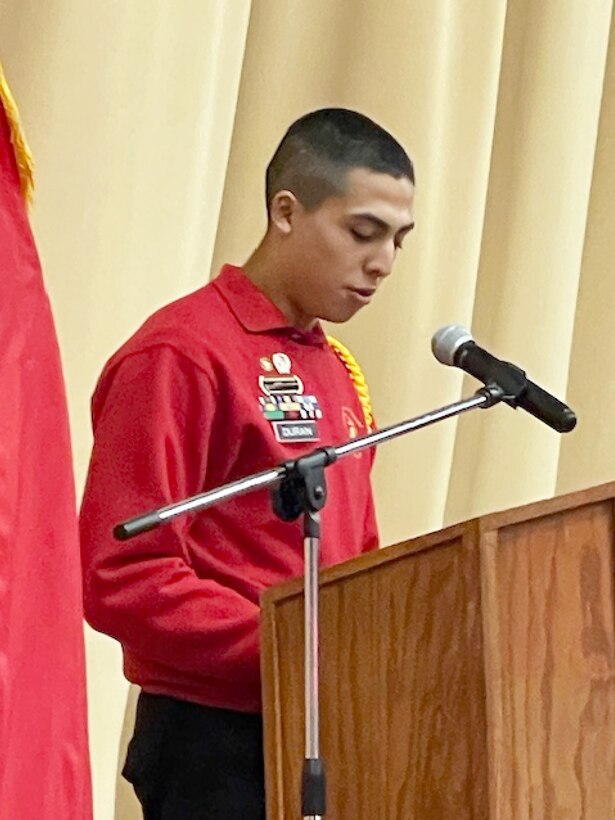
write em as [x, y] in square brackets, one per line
[380, 223]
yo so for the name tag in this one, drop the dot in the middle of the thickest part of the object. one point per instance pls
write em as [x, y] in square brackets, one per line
[291, 431]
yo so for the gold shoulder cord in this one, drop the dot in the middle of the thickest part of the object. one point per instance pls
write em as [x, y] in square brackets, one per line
[23, 156]
[357, 377]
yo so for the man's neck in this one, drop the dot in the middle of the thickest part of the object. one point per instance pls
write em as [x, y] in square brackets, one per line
[265, 270]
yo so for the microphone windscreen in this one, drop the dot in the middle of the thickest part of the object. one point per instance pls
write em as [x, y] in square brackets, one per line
[446, 342]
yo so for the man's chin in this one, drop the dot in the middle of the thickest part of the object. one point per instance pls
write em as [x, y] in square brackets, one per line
[349, 302]
[339, 315]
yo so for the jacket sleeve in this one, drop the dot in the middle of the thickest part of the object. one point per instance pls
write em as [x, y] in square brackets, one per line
[152, 423]
[371, 532]
[371, 536]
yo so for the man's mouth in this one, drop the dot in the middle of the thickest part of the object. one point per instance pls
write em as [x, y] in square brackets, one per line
[363, 294]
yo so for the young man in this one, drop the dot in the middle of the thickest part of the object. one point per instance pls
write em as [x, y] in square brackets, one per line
[227, 381]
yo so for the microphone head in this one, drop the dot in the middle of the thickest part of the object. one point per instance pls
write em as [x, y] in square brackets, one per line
[446, 342]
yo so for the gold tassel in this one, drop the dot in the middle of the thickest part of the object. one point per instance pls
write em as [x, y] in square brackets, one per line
[23, 155]
[357, 377]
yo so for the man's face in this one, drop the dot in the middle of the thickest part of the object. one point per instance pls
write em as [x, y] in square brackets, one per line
[338, 254]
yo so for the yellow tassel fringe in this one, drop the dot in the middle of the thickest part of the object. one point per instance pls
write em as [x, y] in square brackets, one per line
[357, 377]
[23, 155]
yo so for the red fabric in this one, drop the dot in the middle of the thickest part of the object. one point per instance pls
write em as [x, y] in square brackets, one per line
[44, 768]
[176, 412]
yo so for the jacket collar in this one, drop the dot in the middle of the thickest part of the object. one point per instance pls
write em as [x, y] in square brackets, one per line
[255, 312]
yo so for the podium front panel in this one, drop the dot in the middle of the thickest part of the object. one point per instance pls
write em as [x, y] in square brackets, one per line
[403, 731]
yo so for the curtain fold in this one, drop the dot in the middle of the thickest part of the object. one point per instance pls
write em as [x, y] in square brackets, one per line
[544, 144]
[587, 457]
[129, 110]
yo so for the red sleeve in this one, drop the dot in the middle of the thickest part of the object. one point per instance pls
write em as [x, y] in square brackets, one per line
[371, 534]
[151, 432]
[371, 537]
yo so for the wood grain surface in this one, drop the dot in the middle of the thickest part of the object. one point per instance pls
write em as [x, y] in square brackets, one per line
[403, 706]
[551, 667]
[465, 675]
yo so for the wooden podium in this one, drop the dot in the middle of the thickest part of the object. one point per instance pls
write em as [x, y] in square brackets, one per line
[467, 674]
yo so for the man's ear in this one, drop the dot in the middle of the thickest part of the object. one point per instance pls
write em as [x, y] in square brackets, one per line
[282, 209]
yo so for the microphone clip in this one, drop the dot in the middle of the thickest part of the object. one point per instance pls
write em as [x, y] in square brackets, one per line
[507, 383]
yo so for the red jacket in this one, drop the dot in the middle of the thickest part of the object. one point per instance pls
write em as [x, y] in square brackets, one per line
[195, 399]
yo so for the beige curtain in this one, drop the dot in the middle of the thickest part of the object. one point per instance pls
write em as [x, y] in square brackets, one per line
[129, 108]
[152, 123]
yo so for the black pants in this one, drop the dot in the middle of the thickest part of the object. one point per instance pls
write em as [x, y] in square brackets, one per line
[191, 762]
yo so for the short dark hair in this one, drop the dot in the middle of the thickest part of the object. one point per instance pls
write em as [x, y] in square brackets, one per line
[319, 149]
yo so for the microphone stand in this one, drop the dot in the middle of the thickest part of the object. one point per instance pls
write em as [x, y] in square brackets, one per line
[299, 488]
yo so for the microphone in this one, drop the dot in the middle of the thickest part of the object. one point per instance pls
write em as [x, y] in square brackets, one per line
[453, 345]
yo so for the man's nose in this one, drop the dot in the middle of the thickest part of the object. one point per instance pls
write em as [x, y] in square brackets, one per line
[380, 263]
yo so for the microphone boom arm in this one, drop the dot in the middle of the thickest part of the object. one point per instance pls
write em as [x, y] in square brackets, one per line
[485, 397]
